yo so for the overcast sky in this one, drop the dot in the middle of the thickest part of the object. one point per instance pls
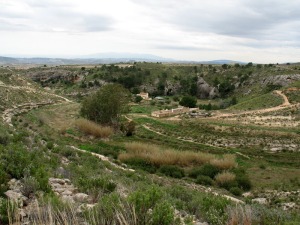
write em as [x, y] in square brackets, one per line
[259, 31]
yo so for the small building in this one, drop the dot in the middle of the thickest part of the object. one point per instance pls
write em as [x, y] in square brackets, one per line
[144, 95]
[159, 98]
[170, 112]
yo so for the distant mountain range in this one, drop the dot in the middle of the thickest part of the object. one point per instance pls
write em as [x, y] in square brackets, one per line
[102, 58]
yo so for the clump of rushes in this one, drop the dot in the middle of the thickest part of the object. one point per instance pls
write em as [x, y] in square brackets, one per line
[91, 128]
[225, 163]
[158, 156]
[225, 179]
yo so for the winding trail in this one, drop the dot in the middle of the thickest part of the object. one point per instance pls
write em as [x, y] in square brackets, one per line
[285, 104]
[102, 157]
[25, 107]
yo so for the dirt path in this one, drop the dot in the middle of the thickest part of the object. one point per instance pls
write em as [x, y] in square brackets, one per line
[23, 108]
[33, 90]
[285, 104]
[103, 158]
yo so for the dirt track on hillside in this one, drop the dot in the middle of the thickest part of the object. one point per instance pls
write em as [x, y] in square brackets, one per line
[21, 108]
[285, 104]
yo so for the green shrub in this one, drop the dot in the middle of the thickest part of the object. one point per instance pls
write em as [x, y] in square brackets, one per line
[67, 152]
[29, 186]
[209, 207]
[242, 179]
[4, 178]
[143, 201]
[188, 101]
[162, 214]
[42, 176]
[92, 184]
[171, 171]
[142, 164]
[262, 166]
[4, 139]
[106, 105]
[50, 145]
[15, 160]
[138, 99]
[104, 149]
[244, 182]
[236, 191]
[204, 180]
[3, 211]
[205, 170]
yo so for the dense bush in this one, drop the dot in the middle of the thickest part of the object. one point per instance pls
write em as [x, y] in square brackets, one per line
[91, 184]
[106, 105]
[242, 179]
[15, 160]
[3, 211]
[236, 191]
[4, 139]
[104, 149]
[142, 164]
[162, 214]
[188, 101]
[29, 186]
[144, 200]
[205, 170]
[209, 207]
[204, 180]
[4, 178]
[243, 182]
[172, 171]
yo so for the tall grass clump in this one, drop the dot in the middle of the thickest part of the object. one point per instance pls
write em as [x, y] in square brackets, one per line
[225, 163]
[91, 128]
[158, 156]
[225, 179]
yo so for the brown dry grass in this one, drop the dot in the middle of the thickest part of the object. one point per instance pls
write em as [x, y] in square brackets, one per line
[159, 156]
[225, 163]
[239, 215]
[91, 128]
[224, 177]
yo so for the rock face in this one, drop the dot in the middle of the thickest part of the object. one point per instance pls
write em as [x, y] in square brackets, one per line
[66, 190]
[171, 88]
[282, 80]
[15, 194]
[205, 90]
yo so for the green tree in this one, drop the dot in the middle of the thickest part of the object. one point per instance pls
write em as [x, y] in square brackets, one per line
[225, 66]
[188, 101]
[106, 105]
[194, 89]
[138, 99]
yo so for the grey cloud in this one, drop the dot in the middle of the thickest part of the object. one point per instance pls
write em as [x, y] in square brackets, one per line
[47, 3]
[54, 15]
[253, 19]
[8, 26]
[96, 23]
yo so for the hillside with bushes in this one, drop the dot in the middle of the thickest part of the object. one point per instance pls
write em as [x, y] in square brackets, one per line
[77, 147]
